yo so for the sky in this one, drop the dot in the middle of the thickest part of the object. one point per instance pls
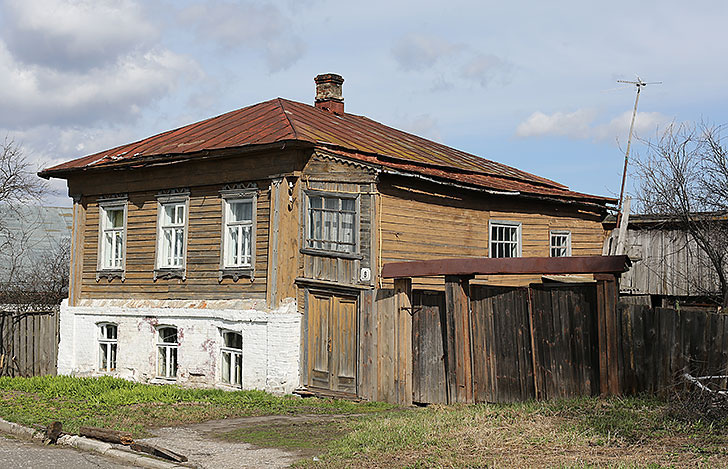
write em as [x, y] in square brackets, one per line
[529, 84]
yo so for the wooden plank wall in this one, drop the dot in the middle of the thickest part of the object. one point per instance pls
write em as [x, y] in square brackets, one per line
[203, 251]
[565, 338]
[502, 355]
[428, 354]
[657, 345]
[28, 343]
[420, 223]
[667, 262]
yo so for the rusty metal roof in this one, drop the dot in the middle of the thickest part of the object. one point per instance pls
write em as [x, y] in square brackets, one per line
[281, 120]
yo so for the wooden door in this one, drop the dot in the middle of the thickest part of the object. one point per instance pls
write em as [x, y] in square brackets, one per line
[331, 341]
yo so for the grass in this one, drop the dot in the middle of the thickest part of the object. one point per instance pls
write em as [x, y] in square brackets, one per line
[122, 405]
[576, 433]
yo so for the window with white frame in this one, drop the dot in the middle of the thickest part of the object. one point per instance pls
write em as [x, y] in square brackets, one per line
[111, 243]
[108, 342]
[331, 223]
[232, 358]
[560, 244]
[167, 346]
[172, 227]
[238, 236]
[505, 239]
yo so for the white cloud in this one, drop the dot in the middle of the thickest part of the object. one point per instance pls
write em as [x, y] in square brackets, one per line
[416, 52]
[35, 95]
[484, 68]
[240, 25]
[580, 124]
[78, 34]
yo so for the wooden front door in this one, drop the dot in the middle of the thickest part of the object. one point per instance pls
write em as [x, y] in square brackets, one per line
[331, 341]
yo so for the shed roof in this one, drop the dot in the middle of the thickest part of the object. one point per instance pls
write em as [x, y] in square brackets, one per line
[280, 120]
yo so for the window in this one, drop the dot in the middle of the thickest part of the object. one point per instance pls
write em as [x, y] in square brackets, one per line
[238, 247]
[107, 347]
[167, 352]
[331, 223]
[232, 358]
[560, 245]
[112, 237]
[505, 239]
[172, 227]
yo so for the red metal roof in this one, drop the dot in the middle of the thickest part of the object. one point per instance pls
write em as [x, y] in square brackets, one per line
[281, 120]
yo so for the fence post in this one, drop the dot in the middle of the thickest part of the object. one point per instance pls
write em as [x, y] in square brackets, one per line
[607, 296]
[458, 329]
[403, 339]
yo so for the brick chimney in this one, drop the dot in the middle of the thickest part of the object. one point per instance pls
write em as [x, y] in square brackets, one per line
[328, 92]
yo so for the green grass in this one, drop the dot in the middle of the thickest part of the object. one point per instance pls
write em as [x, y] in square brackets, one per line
[123, 405]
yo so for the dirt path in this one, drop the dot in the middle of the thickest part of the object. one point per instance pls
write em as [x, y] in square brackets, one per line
[205, 450]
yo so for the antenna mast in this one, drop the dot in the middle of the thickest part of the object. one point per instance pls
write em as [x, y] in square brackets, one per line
[639, 84]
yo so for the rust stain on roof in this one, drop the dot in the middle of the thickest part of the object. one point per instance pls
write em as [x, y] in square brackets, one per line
[281, 120]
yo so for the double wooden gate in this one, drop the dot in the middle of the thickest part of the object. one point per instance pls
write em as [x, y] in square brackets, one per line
[516, 344]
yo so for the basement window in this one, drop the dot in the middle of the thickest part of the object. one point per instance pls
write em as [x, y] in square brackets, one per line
[167, 346]
[232, 358]
[108, 343]
[331, 223]
[505, 239]
[560, 244]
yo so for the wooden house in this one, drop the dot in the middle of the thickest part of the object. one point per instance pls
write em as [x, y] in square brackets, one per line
[245, 250]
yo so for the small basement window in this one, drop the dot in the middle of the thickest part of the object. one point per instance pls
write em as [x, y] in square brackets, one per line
[331, 223]
[167, 346]
[560, 244]
[232, 358]
[505, 239]
[108, 343]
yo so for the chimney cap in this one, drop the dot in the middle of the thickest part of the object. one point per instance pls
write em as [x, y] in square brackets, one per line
[329, 78]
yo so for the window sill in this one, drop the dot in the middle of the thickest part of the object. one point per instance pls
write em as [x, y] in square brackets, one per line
[334, 254]
[110, 274]
[162, 380]
[169, 273]
[237, 273]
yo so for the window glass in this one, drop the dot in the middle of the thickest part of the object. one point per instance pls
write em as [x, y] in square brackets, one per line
[232, 358]
[167, 352]
[112, 237]
[560, 244]
[107, 347]
[504, 240]
[332, 223]
[172, 235]
[238, 242]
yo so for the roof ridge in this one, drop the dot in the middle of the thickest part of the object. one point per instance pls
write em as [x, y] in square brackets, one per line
[281, 103]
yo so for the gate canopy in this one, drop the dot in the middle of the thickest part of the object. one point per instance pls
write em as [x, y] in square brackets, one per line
[514, 265]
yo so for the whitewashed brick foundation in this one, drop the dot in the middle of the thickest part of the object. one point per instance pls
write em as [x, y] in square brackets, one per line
[271, 340]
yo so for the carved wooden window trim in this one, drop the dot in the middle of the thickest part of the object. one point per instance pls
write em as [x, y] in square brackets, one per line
[230, 194]
[166, 198]
[105, 204]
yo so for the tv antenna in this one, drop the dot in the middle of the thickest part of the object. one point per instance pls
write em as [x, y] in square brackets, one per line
[639, 84]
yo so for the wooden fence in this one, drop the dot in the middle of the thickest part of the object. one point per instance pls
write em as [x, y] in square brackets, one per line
[543, 342]
[28, 343]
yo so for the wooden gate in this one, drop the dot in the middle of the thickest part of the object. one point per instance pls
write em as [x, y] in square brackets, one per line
[331, 339]
[507, 344]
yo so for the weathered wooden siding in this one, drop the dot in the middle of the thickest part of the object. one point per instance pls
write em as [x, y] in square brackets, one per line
[203, 251]
[667, 262]
[328, 174]
[29, 343]
[425, 223]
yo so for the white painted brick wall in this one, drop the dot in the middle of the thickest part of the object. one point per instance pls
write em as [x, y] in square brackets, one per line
[271, 342]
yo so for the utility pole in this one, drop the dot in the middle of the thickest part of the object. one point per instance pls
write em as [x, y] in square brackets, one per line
[639, 84]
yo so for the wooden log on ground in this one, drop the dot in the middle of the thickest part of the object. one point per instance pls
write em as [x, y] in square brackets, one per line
[104, 434]
[158, 451]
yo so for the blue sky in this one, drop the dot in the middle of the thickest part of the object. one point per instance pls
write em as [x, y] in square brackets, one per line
[529, 84]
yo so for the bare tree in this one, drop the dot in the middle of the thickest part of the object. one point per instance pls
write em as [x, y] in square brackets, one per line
[32, 273]
[684, 177]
